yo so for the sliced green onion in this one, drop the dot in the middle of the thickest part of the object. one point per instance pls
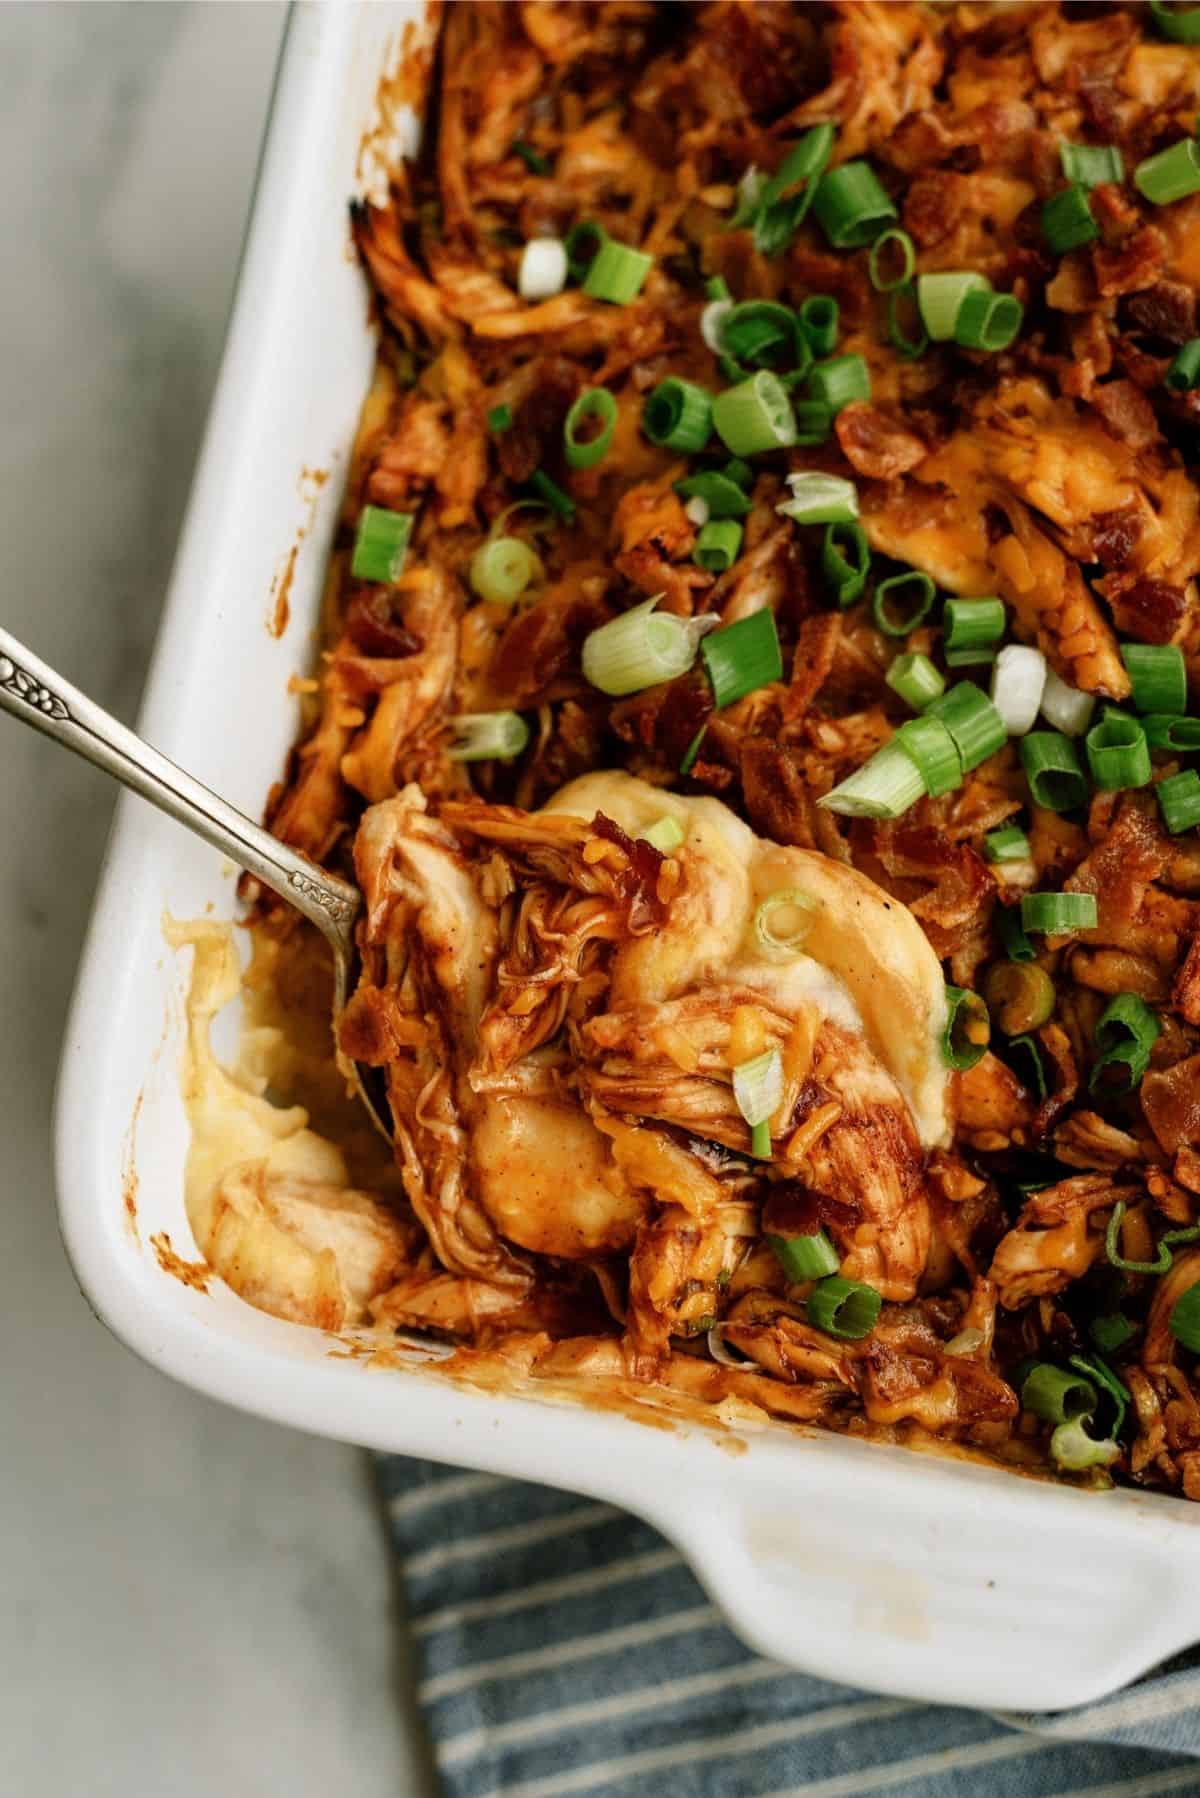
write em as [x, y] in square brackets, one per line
[908, 346]
[678, 415]
[1180, 23]
[1184, 372]
[585, 451]
[584, 242]
[839, 380]
[845, 561]
[758, 1086]
[1163, 1257]
[739, 472]
[543, 268]
[1111, 1331]
[1117, 751]
[973, 722]
[968, 1029]
[1166, 732]
[1055, 1395]
[932, 748]
[499, 419]
[1090, 165]
[723, 497]
[533, 159]
[908, 260]
[1059, 914]
[1157, 673]
[693, 750]
[1179, 800]
[1066, 708]
[560, 503]
[1020, 996]
[763, 334]
[755, 415]
[1026, 1048]
[1171, 175]
[940, 298]
[814, 421]
[805, 1257]
[916, 680]
[820, 499]
[850, 205]
[1008, 844]
[780, 208]
[617, 273]
[819, 322]
[641, 648]
[1067, 221]
[1072, 1449]
[712, 320]
[1052, 769]
[1011, 932]
[487, 736]
[502, 568]
[972, 623]
[1094, 1369]
[750, 190]
[665, 834]
[717, 288]
[984, 657]
[718, 545]
[988, 321]
[844, 1308]
[884, 787]
[1184, 1321]
[1018, 682]
[743, 657]
[783, 921]
[760, 1141]
[380, 544]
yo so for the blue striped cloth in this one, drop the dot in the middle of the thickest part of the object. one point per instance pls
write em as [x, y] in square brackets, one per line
[566, 1649]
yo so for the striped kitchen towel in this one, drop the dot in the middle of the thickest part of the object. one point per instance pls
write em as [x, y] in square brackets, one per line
[566, 1651]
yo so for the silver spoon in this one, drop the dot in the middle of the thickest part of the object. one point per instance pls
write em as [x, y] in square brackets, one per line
[35, 693]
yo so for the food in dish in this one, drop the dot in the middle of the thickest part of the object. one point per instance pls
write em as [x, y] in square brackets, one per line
[759, 708]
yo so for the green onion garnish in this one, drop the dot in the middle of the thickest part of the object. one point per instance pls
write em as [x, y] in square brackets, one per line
[758, 1086]
[814, 421]
[641, 648]
[1011, 932]
[973, 722]
[1020, 996]
[805, 1257]
[755, 415]
[783, 920]
[1066, 708]
[1179, 800]
[533, 159]
[763, 334]
[693, 750]
[750, 190]
[1093, 1368]
[1008, 844]
[900, 603]
[1067, 221]
[851, 206]
[1163, 1257]
[972, 624]
[380, 544]
[780, 208]
[678, 415]
[1055, 1395]
[845, 560]
[617, 273]
[916, 680]
[1166, 732]
[723, 497]
[717, 288]
[931, 747]
[1090, 165]
[1157, 673]
[820, 499]
[560, 503]
[905, 250]
[1052, 769]
[988, 321]
[1126, 1031]
[1018, 684]
[1074, 1451]
[1024, 1051]
[583, 451]
[1184, 1321]
[502, 568]
[1111, 1331]
[743, 657]
[499, 419]
[1059, 914]
[819, 322]
[839, 380]
[739, 472]
[1117, 752]
[968, 1029]
[665, 834]
[584, 242]
[487, 736]
[844, 1308]
[718, 545]
[1184, 372]
[1171, 175]
[884, 787]
[907, 346]
[940, 298]
[1180, 23]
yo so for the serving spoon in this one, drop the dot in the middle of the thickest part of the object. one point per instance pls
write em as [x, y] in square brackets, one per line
[33, 692]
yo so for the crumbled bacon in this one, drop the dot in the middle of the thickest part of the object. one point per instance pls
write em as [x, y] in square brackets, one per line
[1126, 412]
[1149, 610]
[876, 444]
[374, 628]
[1167, 309]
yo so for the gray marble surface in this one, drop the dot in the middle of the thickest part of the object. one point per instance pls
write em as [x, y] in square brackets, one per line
[191, 1602]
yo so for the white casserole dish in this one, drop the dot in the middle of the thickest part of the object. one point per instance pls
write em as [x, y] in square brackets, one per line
[912, 1574]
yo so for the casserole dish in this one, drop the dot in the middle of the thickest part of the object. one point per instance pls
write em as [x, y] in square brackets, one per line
[928, 1577]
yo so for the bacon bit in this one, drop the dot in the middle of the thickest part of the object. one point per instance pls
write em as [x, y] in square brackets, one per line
[876, 444]
[1170, 1099]
[1115, 534]
[794, 1209]
[811, 1130]
[1113, 213]
[645, 861]
[963, 885]
[1166, 310]
[539, 645]
[1149, 610]
[371, 626]
[774, 793]
[538, 419]
[1185, 995]
[1127, 413]
[934, 205]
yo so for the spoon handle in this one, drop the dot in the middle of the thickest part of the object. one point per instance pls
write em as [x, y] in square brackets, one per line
[35, 693]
